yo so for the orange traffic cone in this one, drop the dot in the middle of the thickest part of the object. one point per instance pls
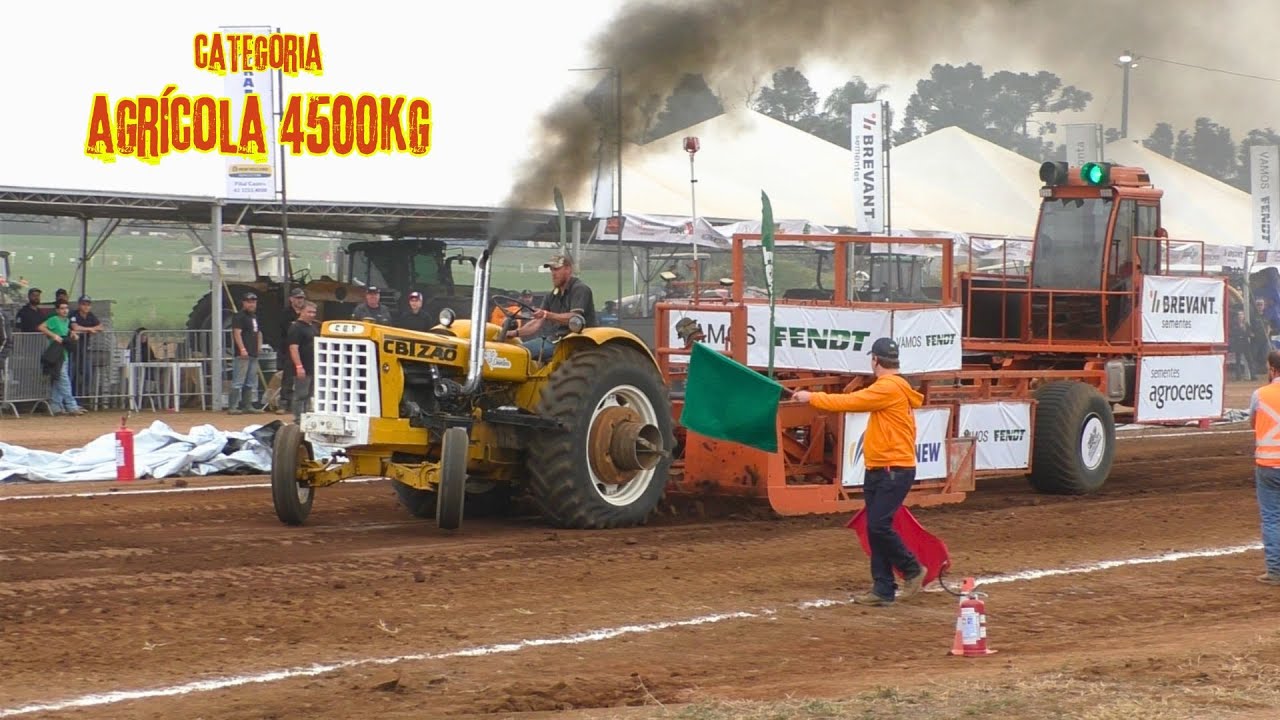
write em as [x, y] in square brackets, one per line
[971, 623]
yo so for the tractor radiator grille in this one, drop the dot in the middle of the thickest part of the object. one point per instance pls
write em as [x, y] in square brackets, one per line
[346, 381]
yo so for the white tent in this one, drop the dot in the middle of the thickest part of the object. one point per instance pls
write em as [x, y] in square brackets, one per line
[742, 153]
[951, 180]
[1195, 206]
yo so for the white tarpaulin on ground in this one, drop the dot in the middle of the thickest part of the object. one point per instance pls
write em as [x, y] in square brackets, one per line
[159, 451]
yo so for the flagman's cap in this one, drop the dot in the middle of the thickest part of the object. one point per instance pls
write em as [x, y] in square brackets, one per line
[885, 349]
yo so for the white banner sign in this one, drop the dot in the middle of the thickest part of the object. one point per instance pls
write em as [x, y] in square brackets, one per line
[1266, 196]
[1179, 387]
[714, 327]
[1082, 144]
[1002, 431]
[868, 166]
[246, 178]
[1183, 309]
[931, 445]
[928, 339]
[816, 338]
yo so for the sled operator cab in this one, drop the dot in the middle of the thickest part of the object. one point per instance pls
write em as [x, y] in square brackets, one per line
[1097, 234]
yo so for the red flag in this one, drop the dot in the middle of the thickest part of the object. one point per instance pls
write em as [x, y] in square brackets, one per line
[928, 549]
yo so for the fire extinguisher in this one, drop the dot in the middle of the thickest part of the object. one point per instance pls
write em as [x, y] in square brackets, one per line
[124, 452]
[971, 623]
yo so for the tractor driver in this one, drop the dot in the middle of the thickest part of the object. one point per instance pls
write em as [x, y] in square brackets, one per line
[569, 296]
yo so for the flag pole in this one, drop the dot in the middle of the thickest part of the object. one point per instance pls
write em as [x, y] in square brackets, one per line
[766, 248]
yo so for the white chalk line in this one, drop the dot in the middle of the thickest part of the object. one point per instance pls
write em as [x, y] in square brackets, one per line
[160, 491]
[222, 683]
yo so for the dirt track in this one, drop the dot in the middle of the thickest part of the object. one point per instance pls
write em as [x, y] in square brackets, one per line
[125, 593]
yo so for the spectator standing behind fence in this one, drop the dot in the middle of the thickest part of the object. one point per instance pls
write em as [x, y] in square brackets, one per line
[301, 343]
[85, 325]
[247, 336]
[54, 361]
[297, 300]
[30, 315]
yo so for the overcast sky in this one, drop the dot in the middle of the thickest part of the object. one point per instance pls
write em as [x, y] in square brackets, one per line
[489, 68]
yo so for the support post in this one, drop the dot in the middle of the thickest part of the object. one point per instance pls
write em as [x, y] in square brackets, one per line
[216, 350]
[81, 269]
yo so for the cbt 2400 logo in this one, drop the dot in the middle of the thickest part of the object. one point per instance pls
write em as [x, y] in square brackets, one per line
[926, 452]
[419, 349]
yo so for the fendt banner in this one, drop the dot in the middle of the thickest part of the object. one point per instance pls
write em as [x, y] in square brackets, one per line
[1001, 432]
[1179, 387]
[928, 339]
[868, 167]
[1183, 309]
[1266, 196]
[931, 445]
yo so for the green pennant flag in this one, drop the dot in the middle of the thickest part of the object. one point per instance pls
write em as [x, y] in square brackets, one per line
[766, 246]
[729, 401]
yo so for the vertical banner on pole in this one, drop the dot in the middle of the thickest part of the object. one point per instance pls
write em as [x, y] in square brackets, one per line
[1082, 144]
[251, 178]
[868, 166]
[1266, 196]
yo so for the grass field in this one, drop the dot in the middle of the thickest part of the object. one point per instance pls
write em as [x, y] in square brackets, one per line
[149, 279]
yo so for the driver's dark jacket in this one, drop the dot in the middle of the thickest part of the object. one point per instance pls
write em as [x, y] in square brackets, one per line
[575, 295]
[379, 315]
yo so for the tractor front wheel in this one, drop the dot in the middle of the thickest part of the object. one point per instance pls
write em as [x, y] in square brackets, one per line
[291, 498]
[608, 467]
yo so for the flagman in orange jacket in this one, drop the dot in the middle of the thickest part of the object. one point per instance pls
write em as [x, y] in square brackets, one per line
[889, 447]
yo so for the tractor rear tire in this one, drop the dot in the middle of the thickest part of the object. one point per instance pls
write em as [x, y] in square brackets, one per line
[562, 480]
[1074, 439]
[269, 316]
[292, 500]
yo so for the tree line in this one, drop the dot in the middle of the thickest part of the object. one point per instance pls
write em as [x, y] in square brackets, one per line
[1000, 107]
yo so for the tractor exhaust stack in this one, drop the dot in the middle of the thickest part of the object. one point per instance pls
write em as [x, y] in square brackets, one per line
[479, 292]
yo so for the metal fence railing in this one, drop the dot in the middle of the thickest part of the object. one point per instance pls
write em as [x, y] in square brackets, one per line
[156, 369]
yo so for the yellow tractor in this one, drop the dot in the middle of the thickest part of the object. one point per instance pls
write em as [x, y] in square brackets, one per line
[461, 418]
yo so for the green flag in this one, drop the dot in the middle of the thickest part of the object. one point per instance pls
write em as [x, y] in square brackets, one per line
[766, 246]
[560, 213]
[729, 401]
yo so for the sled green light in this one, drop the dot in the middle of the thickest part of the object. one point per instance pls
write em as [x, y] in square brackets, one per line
[1094, 174]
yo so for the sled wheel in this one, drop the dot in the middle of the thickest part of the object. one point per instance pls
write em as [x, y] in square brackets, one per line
[1075, 436]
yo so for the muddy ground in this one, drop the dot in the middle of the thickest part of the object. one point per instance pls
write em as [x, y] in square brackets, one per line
[112, 592]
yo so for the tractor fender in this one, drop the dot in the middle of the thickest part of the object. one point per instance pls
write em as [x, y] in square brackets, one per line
[602, 335]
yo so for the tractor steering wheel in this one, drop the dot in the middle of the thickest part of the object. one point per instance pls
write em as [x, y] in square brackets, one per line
[502, 301]
[525, 313]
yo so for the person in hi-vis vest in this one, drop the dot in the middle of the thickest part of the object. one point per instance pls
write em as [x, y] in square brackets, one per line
[1264, 415]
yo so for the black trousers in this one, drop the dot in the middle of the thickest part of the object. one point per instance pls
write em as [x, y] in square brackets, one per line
[883, 491]
[286, 385]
